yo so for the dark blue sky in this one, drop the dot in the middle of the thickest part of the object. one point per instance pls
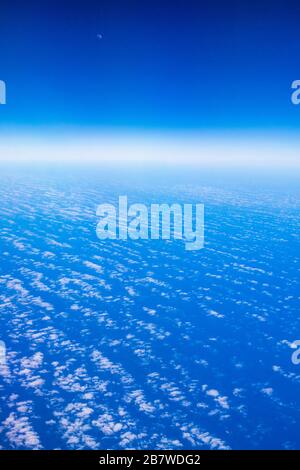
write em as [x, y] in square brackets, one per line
[159, 65]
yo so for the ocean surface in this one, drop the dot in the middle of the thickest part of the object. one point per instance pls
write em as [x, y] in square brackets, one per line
[141, 344]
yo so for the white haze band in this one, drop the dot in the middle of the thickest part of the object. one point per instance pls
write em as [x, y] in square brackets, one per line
[163, 221]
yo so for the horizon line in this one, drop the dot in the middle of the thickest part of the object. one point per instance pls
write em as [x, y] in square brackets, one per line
[209, 149]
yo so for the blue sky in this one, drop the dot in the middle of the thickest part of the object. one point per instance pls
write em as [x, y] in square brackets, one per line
[162, 65]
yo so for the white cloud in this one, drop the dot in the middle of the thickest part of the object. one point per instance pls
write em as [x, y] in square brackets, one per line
[255, 151]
